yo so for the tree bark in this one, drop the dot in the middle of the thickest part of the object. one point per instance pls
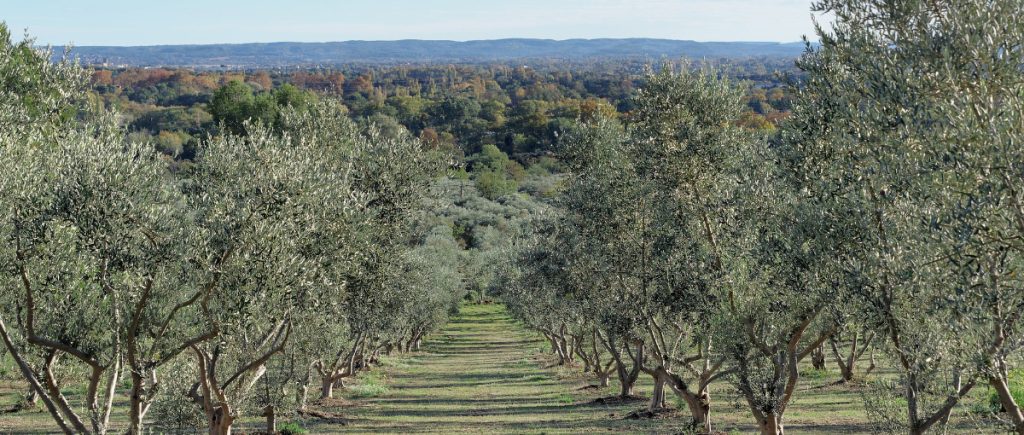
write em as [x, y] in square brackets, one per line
[327, 387]
[1010, 406]
[135, 404]
[818, 358]
[627, 377]
[699, 403]
[848, 364]
[221, 420]
[657, 395]
[271, 416]
[31, 399]
[771, 424]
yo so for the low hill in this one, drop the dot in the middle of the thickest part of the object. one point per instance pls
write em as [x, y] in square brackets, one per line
[279, 54]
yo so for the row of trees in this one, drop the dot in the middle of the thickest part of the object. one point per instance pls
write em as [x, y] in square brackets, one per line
[888, 212]
[285, 258]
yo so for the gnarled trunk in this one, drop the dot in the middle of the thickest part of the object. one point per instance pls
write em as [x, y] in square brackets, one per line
[657, 395]
[627, 376]
[700, 410]
[699, 402]
[771, 424]
[848, 364]
[327, 387]
[818, 358]
[221, 420]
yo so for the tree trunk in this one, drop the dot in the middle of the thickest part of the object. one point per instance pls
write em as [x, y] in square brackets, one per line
[301, 394]
[702, 412]
[771, 424]
[31, 399]
[657, 395]
[135, 404]
[627, 378]
[846, 372]
[818, 358]
[33, 380]
[848, 364]
[326, 387]
[268, 412]
[699, 403]
[603, 378]
[626, 381]
[1010, 406]
[221, 420]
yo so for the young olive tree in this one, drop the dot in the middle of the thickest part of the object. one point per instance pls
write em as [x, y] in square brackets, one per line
[92, 250]
[267, 206]
[388, 174]
[96, 254]
[685, 144]
[647, 206]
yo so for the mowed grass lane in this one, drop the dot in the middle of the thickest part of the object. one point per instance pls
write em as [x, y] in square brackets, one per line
[482, 374]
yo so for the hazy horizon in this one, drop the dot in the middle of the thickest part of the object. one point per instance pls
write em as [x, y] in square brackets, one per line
[425, 40]
[194, 22]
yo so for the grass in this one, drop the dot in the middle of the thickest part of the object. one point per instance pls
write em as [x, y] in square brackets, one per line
[485, 374]
[370, 385]
[291, 428]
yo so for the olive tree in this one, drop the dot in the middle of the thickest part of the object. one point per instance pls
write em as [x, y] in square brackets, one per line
[388, 174]
[780, 295]
[265, 205]
[607, 216]
[686, 146]
[647, 205]
[95, 248]
[907, 127]
[89, 222]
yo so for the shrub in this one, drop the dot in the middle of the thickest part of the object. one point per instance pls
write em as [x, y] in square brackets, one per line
[291, 428]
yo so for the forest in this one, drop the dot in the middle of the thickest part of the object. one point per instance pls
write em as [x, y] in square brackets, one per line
[321, 249]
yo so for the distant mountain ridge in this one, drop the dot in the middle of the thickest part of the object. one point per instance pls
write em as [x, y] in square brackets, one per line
[281, 54]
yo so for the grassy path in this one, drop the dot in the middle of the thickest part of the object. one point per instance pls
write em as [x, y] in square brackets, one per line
[486, 374]
[480, 375]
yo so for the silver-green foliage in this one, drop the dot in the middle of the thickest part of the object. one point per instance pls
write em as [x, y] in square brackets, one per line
[907, 132]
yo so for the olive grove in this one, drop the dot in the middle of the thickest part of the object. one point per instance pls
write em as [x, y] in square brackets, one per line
[281, 259]
[883, 219]
[884, 215]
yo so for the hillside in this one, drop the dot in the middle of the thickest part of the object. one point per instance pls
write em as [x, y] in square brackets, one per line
[326, 53]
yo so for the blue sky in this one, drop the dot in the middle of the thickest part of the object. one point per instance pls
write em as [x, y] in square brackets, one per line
[145, 22]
